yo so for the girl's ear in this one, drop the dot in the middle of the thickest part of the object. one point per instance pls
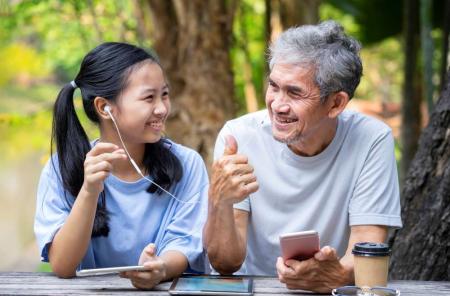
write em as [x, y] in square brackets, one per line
[100, 104]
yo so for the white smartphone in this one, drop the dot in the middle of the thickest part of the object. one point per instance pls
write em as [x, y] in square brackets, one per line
[108, 270]
[299, 245]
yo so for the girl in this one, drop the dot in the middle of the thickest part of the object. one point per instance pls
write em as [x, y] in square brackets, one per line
[95, 204]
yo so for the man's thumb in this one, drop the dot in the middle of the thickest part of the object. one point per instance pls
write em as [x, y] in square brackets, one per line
[231, 145]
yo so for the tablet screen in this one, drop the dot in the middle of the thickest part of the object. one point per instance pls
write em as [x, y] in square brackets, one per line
[212, 285]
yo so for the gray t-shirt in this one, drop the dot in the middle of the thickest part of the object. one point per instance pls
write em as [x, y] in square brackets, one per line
[352, 182]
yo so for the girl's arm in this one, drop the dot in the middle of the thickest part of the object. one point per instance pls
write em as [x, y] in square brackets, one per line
[72, 240]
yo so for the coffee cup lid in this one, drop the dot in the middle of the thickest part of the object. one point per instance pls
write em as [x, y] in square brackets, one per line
[371, 249]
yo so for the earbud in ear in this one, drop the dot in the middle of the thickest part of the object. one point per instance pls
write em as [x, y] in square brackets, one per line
[107, 109]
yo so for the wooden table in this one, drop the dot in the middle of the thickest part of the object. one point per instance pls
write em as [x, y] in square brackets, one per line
[29, 283]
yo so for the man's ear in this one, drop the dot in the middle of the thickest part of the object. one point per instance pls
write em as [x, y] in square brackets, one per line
[100, 104]
[338, 102]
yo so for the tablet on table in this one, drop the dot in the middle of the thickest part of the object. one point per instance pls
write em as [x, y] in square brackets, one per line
[212, 285]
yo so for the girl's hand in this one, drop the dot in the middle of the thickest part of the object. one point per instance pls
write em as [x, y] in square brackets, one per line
[155, 270]
[98, 165]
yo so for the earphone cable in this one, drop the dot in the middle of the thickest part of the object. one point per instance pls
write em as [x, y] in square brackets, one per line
[136, 167]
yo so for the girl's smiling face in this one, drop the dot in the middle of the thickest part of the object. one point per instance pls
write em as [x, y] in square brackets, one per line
[144, 104]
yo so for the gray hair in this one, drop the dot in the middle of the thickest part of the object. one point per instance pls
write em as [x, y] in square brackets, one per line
[332, 54]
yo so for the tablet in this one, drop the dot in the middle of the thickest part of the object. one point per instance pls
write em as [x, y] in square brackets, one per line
[212, 285]
[108, 270]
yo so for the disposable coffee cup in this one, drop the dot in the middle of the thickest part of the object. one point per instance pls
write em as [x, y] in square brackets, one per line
[371, 264]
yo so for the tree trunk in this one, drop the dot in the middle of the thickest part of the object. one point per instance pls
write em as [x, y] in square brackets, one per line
[426, 8]
[421, 250]
[445, 36]
[411, 116]
[193, 39]
[140, 12]
[296, 13]
[288, 13]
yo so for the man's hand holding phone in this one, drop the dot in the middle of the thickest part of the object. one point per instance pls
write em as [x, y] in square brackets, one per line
[306, 266]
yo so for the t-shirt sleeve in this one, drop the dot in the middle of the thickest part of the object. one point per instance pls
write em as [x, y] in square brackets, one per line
[52, 208]
[218, 152]
[376, 198]
[184, 232]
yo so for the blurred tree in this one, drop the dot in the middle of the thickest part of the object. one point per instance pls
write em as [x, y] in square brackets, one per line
[248, 63]
[427, 51]
[141, 12]
[251, 99]
[412, 95]
[445, 35]
[421, 248]
[192, 39]
[288, 13]
[295, 13]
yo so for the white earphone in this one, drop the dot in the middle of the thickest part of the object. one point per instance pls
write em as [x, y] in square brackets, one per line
[107, 109]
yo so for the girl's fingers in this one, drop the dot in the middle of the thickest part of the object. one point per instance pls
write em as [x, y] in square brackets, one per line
[154, 265]
[101, 148]
[97, 177]
[101, 166]
[118, 154]
[120, 151]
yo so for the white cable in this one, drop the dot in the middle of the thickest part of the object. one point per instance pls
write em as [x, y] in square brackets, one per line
[136, 167]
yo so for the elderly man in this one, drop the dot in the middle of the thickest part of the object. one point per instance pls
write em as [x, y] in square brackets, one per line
[303, 163]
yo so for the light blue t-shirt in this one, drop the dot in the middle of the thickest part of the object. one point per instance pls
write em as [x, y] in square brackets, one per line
[136, 217]
[353, 181]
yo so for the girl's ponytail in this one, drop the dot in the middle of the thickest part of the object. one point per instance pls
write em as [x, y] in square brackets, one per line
[72, 145]
[71, 140]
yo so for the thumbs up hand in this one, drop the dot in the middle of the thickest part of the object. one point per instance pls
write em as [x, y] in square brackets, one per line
[232, 178]
[231, 146]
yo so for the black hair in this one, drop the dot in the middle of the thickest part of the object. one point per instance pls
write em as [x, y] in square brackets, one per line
[104, 72]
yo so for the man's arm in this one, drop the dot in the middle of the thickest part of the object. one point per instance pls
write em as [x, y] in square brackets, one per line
[362, 233]
[325, 271]
[225, 236]
[225, 232]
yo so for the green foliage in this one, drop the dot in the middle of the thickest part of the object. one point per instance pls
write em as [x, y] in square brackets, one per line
[250, 43]
[23, 100]
[329, 12]
[24, 134]
[377, 19]
[382, 82]
[25, 122]
[22, 62]
[63, 31]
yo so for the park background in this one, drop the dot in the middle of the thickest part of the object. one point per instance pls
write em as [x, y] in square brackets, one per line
[214, 54]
